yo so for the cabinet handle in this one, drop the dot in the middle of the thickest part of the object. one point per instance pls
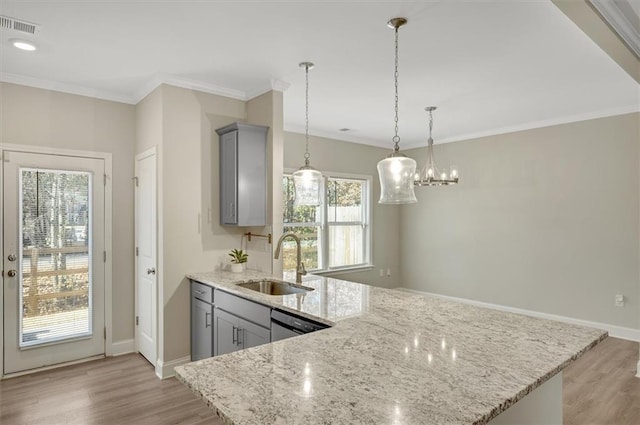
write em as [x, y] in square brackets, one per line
[231, 210]
[240, 331]
[235, 336]
[207, 323]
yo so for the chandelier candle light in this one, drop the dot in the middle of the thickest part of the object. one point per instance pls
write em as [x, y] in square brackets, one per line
[429, 175]
[396, 171]
[307, 180]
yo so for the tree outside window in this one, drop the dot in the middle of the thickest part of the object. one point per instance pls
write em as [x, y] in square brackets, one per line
[334, 235]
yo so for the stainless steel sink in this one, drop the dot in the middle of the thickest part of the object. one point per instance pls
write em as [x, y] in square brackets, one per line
[274, 287]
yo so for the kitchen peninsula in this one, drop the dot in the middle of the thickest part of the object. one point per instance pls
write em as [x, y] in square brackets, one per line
[390, 357]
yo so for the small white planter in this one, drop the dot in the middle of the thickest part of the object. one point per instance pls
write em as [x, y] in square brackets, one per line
[237, 268]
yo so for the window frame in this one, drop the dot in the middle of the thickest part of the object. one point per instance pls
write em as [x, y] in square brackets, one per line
[325, 225]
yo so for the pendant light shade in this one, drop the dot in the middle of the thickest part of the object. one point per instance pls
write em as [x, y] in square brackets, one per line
[307, 181]
[396, 171]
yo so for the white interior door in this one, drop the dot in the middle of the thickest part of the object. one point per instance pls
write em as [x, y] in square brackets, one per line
[145, 225]
[53, 265]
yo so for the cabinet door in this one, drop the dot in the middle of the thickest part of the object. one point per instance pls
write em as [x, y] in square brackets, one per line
[226, 333]
[229, 178]
[252, 335]
[201, 330]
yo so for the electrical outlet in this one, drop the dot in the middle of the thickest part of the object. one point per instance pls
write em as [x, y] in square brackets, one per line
[619, 300]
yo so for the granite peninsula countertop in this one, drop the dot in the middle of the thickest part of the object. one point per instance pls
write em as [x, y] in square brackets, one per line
[391, 357]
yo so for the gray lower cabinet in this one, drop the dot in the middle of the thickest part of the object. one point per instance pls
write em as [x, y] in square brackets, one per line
[230, 324]
[234, 333]
[239, 323]
[201, 321]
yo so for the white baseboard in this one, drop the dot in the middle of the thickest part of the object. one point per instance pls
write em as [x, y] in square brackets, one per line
[165, 370]
[126, 346]
[614, 331]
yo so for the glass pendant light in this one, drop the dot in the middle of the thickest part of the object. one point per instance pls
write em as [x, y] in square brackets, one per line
[430, 175]
[396, 171]
[307, 181]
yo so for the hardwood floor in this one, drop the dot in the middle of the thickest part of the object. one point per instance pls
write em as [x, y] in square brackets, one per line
[116, 390]
[600, 388]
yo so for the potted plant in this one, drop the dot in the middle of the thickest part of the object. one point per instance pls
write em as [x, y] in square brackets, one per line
[238, 258]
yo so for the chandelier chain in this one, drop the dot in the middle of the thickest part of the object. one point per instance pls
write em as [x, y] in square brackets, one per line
[430, 125]
[306, 112]
[396, 138]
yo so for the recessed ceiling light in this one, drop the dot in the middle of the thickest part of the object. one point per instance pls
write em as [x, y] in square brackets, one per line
[23, 45]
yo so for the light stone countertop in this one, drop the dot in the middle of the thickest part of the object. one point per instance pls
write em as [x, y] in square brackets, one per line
[392, 357]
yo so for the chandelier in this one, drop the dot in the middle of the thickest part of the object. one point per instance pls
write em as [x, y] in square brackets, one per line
[430, 175]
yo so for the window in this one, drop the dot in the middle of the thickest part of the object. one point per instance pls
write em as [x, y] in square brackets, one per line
[335, 235]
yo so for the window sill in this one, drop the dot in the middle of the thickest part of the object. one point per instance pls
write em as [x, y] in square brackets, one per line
[345, 270]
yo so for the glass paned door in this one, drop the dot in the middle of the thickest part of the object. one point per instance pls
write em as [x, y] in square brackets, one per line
[53, 221]
[55, 279]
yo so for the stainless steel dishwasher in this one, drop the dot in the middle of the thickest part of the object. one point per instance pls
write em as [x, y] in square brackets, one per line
[286, 325]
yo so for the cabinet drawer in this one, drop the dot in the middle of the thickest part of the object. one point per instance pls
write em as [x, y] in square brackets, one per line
[202, 292]
[249, 310]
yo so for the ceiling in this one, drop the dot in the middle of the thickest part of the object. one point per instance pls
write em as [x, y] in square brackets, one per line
[490, 66]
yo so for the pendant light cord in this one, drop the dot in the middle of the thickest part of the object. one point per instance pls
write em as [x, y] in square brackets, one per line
[396, 138]
[306, 111]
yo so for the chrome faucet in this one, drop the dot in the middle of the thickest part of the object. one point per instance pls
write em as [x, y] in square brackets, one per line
[300, 270]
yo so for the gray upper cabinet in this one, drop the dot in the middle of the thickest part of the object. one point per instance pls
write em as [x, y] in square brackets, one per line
[243, 175]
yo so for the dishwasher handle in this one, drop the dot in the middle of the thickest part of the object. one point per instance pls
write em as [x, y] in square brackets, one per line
[286, 326]
[296, 323]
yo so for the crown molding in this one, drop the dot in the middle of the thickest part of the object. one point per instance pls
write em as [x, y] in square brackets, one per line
[186, 83]
[537, 124]
[152, 83]
[611, 11]
[458, 138]
[66, 88]
[274, 85]
[344, 137]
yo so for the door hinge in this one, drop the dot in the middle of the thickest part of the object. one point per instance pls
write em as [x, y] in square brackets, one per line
[135, 179]
[137, 321]
[137, 251]
[105, 332]
[104, 256]
[105, 179]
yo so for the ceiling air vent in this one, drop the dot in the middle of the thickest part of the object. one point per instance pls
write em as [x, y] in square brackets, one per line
[18, 25]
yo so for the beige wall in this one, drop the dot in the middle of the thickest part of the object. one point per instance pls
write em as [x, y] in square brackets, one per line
[190, 236]
[345, 157]
[36, 117]
[544, 220]
[267, 110]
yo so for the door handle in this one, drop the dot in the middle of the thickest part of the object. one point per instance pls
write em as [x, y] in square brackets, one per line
[11, 257]
[11, 273]
[151, 271]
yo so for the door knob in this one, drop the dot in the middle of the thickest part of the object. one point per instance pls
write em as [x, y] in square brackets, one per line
[11, 257]
[151, 271]
[11, 273]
